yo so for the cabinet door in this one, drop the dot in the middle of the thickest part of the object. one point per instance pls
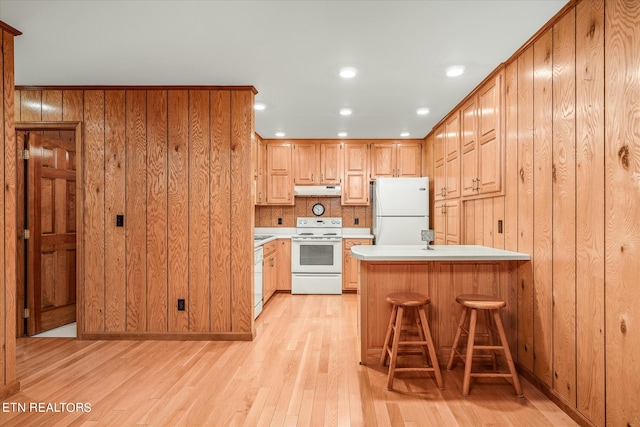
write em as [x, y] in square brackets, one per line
[355, 186]
[279, 181]
[269, 276]
[383, 160]
[439, 224]
[330, 163]
[305, 163]
[452, 219]
[261, 184]
[350, 264]
[490, 138]
[439, 177]
[452, 156]
[408, 159]
[469, 142]
[283, 257]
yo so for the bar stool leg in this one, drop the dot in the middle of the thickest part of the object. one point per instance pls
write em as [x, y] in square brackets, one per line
[432, 350]
[385, 352]
[394, 349]
[487, 316]
[469, 358]
[463, 318]
[507, 354]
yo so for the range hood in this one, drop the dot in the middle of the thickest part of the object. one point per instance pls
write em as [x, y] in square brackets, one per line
[317, 191]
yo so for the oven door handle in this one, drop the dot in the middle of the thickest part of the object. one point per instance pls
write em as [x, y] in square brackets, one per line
[318, 275]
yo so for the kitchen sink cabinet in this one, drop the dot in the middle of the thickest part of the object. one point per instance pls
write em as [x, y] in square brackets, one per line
[396, 159]
[482, 146]
[269, 270]
[446, 222]
[283, 264]
[355, 189]
[350, 264]
[279, 173]
[317, 163]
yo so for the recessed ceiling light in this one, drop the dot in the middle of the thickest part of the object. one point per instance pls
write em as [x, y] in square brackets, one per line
[404, 134]
[455, 71]
[280, 134]
[422, 111]
[259, 106]
[348, 72]
[346, 111]
[342, 134]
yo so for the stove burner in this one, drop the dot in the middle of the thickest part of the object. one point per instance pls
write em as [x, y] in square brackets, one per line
[305, 234]
[330, 234]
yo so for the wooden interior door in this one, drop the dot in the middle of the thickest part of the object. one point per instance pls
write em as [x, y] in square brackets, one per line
[51, 220]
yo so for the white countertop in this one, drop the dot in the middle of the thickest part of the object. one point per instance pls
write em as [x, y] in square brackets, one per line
[439, 253]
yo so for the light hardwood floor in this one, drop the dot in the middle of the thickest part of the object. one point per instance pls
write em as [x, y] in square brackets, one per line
[302, 370]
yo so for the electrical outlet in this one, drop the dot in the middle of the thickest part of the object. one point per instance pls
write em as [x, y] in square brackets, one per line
[181, 305]
[499, 226]
[356, 221]
[119, 220]
[279, 221]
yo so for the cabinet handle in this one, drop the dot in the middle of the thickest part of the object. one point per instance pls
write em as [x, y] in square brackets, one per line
[321, 177]
[311, 177]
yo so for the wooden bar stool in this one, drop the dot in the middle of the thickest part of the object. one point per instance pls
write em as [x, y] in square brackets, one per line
[416, 302]
[471, 304]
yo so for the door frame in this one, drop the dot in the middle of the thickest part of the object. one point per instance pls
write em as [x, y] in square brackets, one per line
[24, 127]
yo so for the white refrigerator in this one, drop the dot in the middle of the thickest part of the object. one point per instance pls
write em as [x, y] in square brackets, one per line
[400, 210]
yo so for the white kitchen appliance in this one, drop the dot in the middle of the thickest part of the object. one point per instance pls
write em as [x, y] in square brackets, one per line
[316, 256]
[400, 210]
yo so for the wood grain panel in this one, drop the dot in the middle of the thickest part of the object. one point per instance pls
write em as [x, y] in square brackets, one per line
[72, 105]
[178, 207]
[94, 214]
[478, 220]
[564, 209]
[221, 250]
[135, 209]
[469, 222]
[525, 208]
[8, 336]
[511, 155]
[52, 106]
[590, 210]
[157, 211]
[31, 106]
[289, 218]
[622, 210]
[199, 247]
[542, 207]
[487, 222]
[498, 215]
[115, 163]
[241, 215]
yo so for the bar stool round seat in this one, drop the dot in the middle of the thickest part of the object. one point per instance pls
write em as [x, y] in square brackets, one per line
[401, 302]
[490, 306]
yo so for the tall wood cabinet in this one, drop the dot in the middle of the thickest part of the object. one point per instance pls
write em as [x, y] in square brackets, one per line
[396, 159]
[482, 146]
[447, 159]
[355, 186]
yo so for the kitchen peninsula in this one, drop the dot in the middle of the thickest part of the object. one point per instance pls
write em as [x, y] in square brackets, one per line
[441, 272]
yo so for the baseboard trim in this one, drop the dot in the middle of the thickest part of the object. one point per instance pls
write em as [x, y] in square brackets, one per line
[576, 415]
[164, 336]
[9, 390]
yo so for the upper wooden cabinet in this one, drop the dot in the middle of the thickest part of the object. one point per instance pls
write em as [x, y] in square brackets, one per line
[261, 177]
[482, 146]
[355, 187]
[446, 148]
[396, 159]
[317, 163]
[279, 173]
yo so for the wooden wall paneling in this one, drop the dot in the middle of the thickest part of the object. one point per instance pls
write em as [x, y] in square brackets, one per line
[7, 312]
[265, 216]
[479, 237]
[199, 203]
[348, 216]
[7, 336]
[300, 206]
[52, 105]
[335, 207]
[276, 214]
[20, 224]
[220, 188]
[157, 211]
[368, 214]
[469, 219]
[359, 214]
[93, 306]
[590, 210]
[242, 120]
[72, 105]
[564, 209]
[178, 208]
[135, 219]
[498, 215]
[487, 222]
[622, 210]
[542, 208]
[525, 208]
[115, 189]
[511, 158]
[289, 218]
[31, 106]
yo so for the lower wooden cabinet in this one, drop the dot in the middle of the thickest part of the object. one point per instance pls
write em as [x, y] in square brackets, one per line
[269, 271]
[350, 264]
[446, 222]
[283, 264]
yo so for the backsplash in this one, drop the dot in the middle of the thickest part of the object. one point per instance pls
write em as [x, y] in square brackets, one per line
[269, 216]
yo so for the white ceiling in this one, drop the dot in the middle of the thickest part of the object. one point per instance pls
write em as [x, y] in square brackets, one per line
[290, 51]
